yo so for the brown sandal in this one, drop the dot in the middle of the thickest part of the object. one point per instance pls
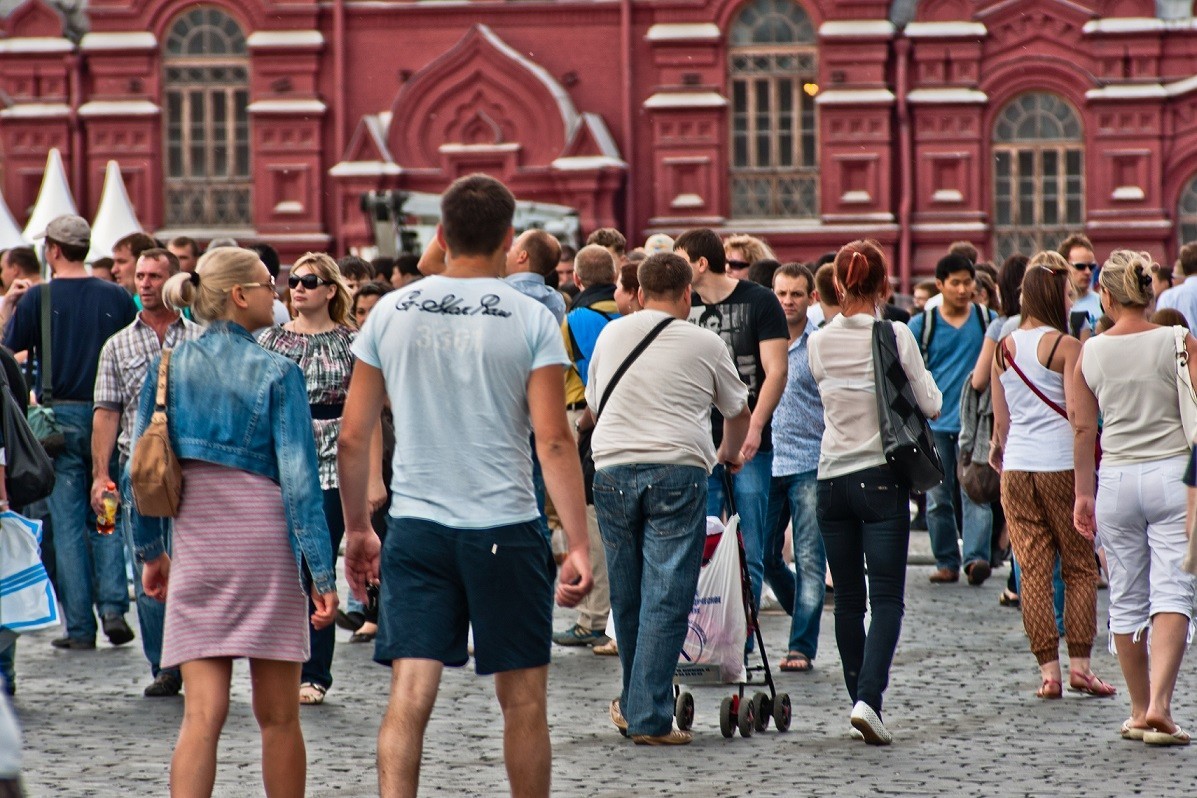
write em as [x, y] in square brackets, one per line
[1050, 689]
[795, 661]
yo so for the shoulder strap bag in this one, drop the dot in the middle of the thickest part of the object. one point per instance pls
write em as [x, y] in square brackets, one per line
[28, 470]
[42, 420]
[906, 436]
[584, 451]
[1184, 384]
[156, 473]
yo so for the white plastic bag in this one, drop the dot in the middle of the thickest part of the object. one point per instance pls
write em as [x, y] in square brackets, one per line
[718, 626]
[27, 600]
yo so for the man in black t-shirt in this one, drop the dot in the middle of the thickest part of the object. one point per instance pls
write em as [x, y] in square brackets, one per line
[750, 321]
[85, 312]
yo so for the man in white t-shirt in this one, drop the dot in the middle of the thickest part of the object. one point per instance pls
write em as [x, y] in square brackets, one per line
[653, 452]
[472, 367]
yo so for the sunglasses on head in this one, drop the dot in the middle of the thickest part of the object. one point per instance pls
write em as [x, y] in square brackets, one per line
[1088, 267]
[737, 264]
[308, 281]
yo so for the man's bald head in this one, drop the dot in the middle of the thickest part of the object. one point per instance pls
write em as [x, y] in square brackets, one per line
[594, 265]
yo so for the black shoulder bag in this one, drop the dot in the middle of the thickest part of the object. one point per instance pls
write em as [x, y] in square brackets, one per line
[584, 437]
[906, 436]
[29, 471]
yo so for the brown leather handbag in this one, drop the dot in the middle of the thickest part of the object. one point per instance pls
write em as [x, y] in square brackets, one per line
[156, 473]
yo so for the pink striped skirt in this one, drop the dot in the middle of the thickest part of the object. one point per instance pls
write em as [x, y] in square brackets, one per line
[234, 586]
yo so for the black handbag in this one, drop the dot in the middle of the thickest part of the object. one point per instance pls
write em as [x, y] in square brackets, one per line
[584, 452]
[29, 473]
[906, 436]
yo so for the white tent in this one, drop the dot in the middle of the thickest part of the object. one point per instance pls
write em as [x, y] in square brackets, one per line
[115, 219]
[53, 198]
[10, 234]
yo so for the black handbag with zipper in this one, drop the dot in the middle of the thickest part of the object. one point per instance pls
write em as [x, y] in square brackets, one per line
[906, 436]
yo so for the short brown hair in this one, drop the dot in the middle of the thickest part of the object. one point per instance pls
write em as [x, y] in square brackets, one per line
[1169, 317]
[185, 241]
[825, 284]
[72, 252]
[594, 265]
[929, 286]
[1188, 259]
[664, 275]
[476, 213]
[794, 270]
[1074, 240]
[137, 243]
[158, 253]
[25, 259]
[702, 242]
[629, 278]
[964, 248]
[544, 251]
[354, 268]
[610, 238]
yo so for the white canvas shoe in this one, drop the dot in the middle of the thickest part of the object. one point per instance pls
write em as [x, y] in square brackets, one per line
[865, 720]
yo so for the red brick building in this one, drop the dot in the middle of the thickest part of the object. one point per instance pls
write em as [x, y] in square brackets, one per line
[809, 122]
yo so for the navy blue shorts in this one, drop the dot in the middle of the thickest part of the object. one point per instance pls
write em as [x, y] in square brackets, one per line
[437, 581]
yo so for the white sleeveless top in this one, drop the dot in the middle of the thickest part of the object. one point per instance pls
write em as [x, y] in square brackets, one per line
[1040, 439]
[1134, 379]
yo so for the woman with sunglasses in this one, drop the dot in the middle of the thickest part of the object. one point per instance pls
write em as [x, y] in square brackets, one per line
[1033, 453]
[318, 339]
[249, 538]
[1127, 377]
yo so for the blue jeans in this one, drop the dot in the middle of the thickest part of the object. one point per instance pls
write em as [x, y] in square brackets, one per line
[792, 501]
[318, 668]
[151, 613]
[90, 566]
[752, 503]
[1057, 591]
[942, 502]
[865, 520]
[653, 526]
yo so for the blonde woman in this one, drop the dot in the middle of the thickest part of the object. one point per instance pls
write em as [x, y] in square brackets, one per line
[1128, 376]
[1033, 453]
[318, 340]
[250, 538]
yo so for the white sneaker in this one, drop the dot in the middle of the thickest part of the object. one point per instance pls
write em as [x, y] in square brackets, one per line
[855, 733]
[865, 720]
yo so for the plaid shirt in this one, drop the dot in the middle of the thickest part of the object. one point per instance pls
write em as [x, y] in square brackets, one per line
[124, 361]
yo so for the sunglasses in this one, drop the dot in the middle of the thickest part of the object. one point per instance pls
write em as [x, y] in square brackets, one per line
[737, 264]
[1085, 267]
[309, 281]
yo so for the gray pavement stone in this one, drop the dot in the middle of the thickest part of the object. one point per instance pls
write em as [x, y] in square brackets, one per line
[960, 706]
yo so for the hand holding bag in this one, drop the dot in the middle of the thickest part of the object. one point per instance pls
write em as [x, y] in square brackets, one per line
[1184, 384]
[906, 436]
[156, 473]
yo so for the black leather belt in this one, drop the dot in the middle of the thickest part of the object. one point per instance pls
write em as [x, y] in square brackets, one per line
[327, 412]
[576, 406]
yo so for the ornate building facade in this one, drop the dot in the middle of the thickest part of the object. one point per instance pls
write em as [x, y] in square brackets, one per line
[1008, 123]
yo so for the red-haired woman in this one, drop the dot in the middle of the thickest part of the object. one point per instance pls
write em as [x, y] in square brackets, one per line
[862, 503]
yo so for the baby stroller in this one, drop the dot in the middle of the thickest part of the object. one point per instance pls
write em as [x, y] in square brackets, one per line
[722, 618]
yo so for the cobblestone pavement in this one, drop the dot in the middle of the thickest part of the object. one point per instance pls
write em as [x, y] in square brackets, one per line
[960, 706]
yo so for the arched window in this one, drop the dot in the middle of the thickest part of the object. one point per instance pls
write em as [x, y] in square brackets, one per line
[1186, 214]
[1038, 175]
[773, 79]
[206, 90]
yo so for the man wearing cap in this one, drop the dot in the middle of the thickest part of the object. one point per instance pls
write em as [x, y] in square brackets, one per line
[85, 312]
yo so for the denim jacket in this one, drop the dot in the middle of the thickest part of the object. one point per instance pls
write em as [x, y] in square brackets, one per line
[233, 403]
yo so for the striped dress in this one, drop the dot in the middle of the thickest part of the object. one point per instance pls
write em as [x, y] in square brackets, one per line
[234, 588]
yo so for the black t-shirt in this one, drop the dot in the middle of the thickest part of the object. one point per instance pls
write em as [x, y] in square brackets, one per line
[85, 312]
[749, 315]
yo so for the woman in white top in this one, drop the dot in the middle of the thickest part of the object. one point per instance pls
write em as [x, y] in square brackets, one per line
[861, 502]
[1128, 375]
[1033, 452]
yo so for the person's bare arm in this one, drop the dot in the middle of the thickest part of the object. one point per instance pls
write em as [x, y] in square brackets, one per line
[1082, 412]
[982, 371]
[1190, 512]
[775, 361]
[558, 453]
[377, 492]
[367, 389]
[735, 430]
[433, 259]
[104, 426]
[1001, 416]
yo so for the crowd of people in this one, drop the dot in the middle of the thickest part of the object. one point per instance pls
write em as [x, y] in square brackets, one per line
[504, 421]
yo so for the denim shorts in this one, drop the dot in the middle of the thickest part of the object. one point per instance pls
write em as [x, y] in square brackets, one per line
[438, 581]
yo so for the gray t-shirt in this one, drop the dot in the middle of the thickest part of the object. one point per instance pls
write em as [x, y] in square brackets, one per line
[660, 412]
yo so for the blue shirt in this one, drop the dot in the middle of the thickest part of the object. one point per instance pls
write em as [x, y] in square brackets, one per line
[950, 359]
[1183, 298]
[1091, 304]
[798, 419]
[533, 285]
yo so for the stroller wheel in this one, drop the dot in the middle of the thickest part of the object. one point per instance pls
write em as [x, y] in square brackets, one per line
[727, 717]
[762, 708]
[683, 710]
[746, 718]
[781, 712]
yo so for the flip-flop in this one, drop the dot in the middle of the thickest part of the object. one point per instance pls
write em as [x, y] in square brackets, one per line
[1129, 732]
[795, 661]
[1155, 737]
